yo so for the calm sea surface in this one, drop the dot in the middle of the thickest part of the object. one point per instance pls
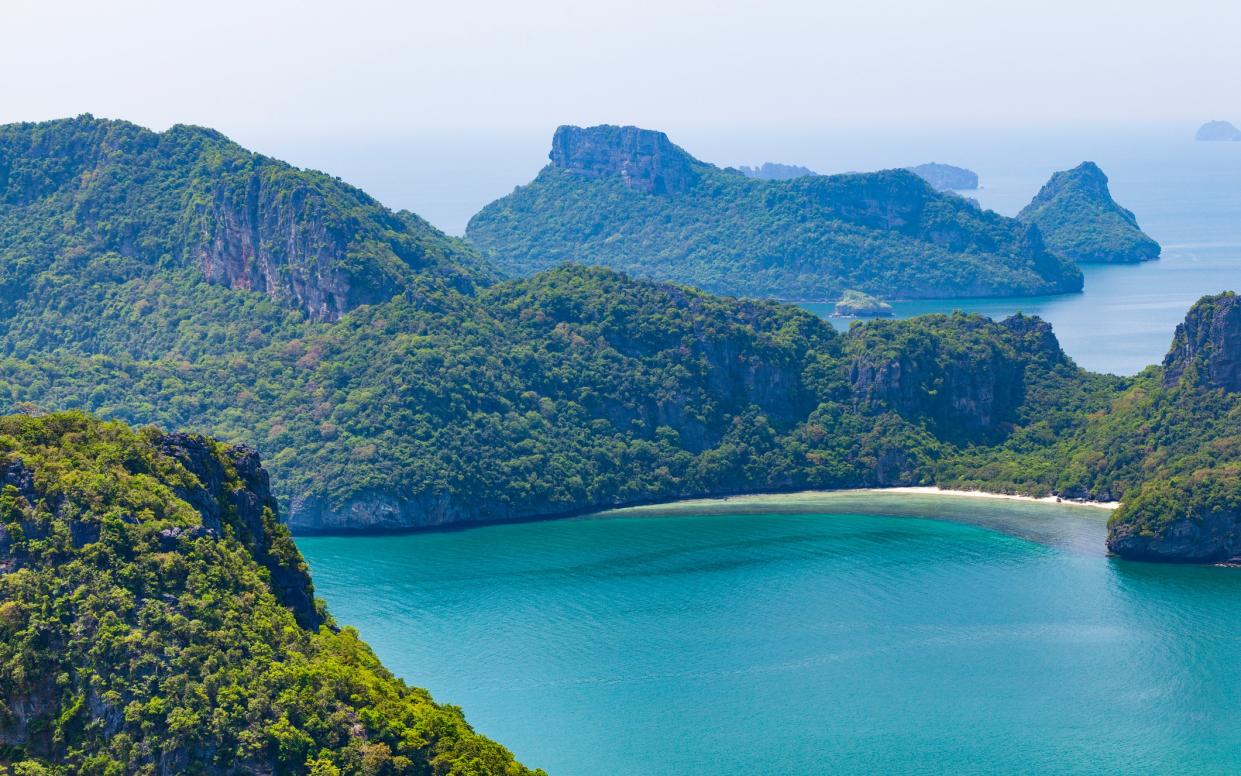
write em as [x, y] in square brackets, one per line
[846, 633]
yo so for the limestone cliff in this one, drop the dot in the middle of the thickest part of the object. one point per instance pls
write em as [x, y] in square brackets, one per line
[645, 159]
[1206, 348]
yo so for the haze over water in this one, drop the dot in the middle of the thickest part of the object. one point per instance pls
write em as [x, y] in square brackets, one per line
[805, 636]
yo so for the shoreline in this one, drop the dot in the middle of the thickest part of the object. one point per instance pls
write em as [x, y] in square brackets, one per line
[736, 498]
[932, 490]
[811, 495]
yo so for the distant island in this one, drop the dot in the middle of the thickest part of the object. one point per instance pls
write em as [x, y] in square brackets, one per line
[772, 171]
[1218, 130]
[945, 177]
[629, 199]
[862, 305]
[1080, 221]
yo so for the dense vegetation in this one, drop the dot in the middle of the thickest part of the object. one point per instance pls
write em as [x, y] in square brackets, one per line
[458, 399]
[808, 238]
[1080, 221]
[150, 623]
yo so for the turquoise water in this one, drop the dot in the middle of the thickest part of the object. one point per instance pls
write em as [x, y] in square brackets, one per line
[838, 634]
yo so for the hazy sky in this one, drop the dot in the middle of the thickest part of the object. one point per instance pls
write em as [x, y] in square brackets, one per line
[441, 107]
[311, 67]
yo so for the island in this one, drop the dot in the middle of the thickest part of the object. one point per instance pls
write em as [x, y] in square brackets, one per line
[771, 171]
[945, 177]
[1214, 131]
[1078, 219]
[857, 304]
[631, 200]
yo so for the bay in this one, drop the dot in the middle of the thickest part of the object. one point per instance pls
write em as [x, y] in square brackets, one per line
[822, 633]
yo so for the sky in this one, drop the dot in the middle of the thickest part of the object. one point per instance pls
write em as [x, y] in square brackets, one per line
[311, 80]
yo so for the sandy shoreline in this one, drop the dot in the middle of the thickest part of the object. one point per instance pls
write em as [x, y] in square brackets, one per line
[932, 490]
[805, 496]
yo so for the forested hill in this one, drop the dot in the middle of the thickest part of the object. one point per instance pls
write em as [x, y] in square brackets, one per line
[1080, 221]
[156, 618]
[631, 200]
[75, 191]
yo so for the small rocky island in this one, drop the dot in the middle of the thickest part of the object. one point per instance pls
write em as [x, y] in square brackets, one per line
[1079, 220]
[857, 304]
[1217, 131]
[773, 171]
[945, 177]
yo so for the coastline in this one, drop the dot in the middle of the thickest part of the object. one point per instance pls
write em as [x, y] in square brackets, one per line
[811, 496]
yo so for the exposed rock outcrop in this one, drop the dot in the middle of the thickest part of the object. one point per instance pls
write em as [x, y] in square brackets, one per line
[1206, 348]
[965, 390]
[647, 160]
[275, 235]
[1080, 221]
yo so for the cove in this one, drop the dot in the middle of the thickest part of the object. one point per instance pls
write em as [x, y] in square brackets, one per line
[823, 633]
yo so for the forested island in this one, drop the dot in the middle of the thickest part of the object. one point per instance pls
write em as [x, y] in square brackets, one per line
[631, 200]
[1080, 221]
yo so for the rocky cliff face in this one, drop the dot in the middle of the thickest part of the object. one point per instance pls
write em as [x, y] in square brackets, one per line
[966, 385]
[1207, 346]
[276, 237]
[646, 160]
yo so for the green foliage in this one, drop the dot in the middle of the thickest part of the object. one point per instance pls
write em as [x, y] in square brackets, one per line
[807, 238]
[1079, 219]
[129, 644]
